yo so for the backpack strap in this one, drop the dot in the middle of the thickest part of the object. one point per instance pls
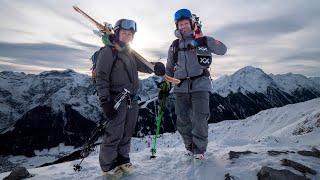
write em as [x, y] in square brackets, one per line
[175, 49]
[115, 58]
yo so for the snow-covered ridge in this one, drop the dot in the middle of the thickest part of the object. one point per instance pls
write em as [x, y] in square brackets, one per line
[252, 80]
[20, 92]
[293, 127]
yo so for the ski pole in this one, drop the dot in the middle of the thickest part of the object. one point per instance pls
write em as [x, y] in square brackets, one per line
[165, 86]
[87, 147]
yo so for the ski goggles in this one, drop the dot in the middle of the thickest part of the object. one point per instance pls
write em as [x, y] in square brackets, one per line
[128, 25]
[182, 14]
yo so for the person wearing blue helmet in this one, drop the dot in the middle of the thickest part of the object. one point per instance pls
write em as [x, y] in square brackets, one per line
[189, 58]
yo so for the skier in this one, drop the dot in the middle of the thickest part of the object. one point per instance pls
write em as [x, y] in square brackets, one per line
[189, 58]
[116, 71]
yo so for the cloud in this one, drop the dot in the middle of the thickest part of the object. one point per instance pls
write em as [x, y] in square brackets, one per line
[46, 55]
[253, 32]
[33, 69]
[49, 34]
[84, 44]
[313, 55]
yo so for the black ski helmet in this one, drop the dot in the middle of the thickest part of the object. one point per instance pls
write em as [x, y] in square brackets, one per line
[126, 24]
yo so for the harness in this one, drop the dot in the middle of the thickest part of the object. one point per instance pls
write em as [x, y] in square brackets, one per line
[204, 57]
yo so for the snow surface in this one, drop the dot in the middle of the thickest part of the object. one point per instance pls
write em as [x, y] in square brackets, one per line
[292, 127]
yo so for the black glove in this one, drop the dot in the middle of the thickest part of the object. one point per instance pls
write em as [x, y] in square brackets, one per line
[164, 92]
[159, 69]
[108, 110]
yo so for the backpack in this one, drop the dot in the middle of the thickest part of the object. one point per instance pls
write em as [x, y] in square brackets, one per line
[94, 59]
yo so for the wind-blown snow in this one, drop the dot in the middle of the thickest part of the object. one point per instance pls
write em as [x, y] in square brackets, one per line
[292, 127]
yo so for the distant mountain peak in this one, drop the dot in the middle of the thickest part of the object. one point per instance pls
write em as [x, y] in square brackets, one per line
[247, 79]
[250, 79]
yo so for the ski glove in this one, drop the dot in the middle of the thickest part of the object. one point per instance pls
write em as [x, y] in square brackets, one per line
[108, 109]
[159, 69]
[163, 94]
[164, 89]
[197, 32]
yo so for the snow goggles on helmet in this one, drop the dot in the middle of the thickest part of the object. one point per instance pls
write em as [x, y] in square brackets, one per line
[182, 14]
[126, 24]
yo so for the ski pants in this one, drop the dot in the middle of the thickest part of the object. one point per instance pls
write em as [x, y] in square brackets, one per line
[192, 111]
[115, 146]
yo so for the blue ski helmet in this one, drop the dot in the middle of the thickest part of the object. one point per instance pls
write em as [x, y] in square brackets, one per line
[182, 14]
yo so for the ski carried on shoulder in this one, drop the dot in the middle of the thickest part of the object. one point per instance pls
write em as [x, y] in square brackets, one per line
[108, 29]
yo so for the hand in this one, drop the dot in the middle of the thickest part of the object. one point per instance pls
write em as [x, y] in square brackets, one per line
[108, 110]
[163, 94]
[197, 32]
[164, 89]
[159, 69]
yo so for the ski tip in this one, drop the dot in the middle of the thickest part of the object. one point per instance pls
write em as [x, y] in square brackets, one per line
[75, 7]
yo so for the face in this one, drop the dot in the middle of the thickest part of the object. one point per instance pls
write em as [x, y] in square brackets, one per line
[184, 25]
[125, 36]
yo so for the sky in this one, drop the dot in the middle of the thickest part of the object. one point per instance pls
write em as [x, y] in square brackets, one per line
[276, 36]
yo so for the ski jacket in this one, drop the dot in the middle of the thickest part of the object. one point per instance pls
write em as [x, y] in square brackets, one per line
[112, 77]
[187, 67]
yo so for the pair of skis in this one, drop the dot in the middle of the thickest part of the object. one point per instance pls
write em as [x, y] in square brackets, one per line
[107, 28]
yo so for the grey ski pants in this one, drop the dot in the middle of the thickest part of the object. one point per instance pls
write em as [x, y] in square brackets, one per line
[115, 146]
[192, 111]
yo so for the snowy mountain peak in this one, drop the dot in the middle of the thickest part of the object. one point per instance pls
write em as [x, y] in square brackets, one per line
[247, 79]
[290, 82]
[249, 70]
[254, 80]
